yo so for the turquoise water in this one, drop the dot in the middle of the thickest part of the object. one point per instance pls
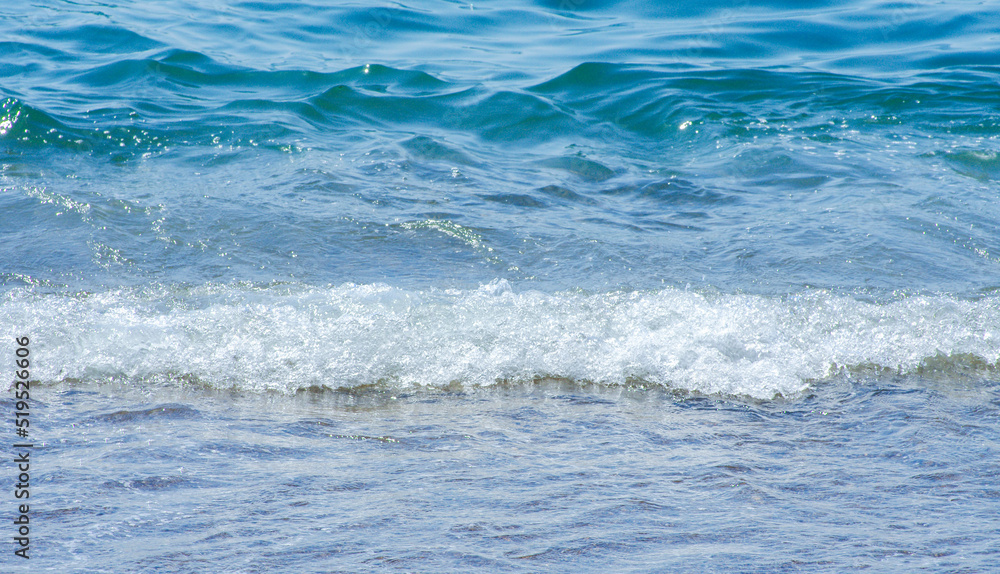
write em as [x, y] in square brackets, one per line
[512, 286]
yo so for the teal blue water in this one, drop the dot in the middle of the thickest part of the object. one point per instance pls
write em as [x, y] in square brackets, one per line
[458, 222]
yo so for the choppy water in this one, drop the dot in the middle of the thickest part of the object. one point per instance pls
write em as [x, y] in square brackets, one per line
[556, 286]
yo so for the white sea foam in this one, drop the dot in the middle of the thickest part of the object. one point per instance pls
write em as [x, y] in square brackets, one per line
[291, 337]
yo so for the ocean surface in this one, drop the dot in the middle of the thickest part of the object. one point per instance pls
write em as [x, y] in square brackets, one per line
[503, 286]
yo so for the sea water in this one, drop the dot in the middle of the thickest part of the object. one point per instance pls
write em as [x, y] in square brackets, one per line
[511, 286]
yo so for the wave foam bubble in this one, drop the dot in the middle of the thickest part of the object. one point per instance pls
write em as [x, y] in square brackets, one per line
[289, 337]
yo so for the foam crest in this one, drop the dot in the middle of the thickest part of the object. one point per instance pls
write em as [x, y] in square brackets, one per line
[286, 338]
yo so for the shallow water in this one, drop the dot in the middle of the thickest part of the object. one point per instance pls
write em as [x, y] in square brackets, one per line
[503, 286]
[876, 473]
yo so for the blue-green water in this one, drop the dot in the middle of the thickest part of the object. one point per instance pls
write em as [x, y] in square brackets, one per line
[513, 286]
